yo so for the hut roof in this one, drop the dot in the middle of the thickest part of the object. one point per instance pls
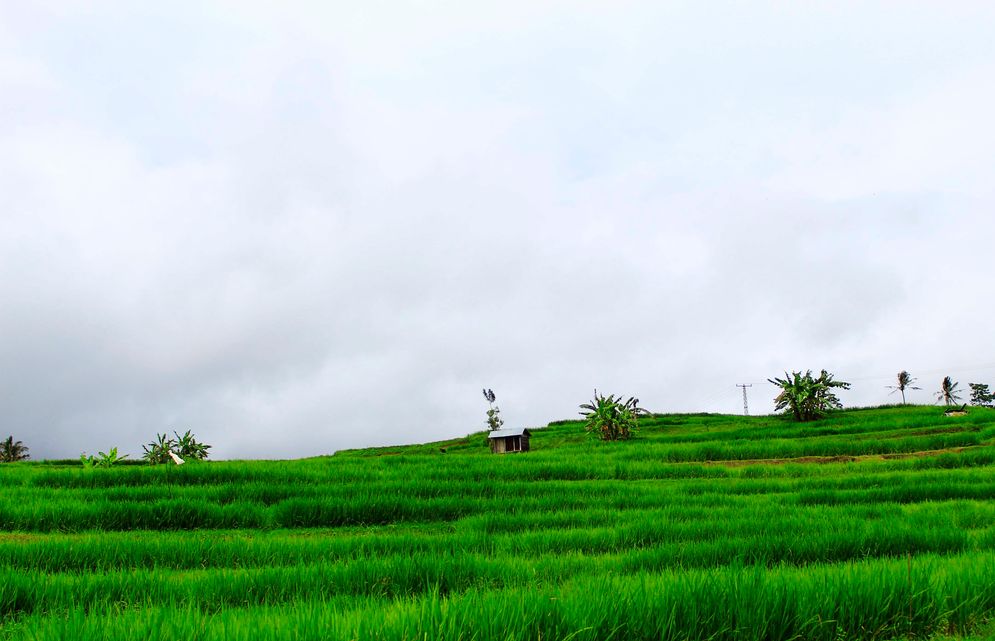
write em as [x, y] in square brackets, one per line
[509, 431]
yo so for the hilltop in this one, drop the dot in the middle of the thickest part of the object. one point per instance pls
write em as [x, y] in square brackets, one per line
[884, 432]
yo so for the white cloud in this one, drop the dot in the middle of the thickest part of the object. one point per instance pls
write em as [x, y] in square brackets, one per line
[336, 223]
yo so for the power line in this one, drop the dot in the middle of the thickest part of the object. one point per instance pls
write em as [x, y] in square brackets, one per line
[746, 404]
[946, 370]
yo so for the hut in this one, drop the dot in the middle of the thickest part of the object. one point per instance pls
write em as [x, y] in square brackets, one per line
[509, 440]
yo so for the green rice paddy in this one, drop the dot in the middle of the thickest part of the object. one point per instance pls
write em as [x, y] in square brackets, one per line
[871, 524]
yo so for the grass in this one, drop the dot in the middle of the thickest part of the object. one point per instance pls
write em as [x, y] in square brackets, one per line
[871, 524]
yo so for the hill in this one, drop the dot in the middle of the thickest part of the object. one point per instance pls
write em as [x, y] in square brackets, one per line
[873, 523]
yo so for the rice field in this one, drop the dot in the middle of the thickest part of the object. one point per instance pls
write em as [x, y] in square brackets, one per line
[871, 524]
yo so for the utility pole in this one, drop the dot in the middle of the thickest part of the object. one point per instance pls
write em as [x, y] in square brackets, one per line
[746, 405]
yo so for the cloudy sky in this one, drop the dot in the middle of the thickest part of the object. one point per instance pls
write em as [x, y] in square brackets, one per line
[300, 229]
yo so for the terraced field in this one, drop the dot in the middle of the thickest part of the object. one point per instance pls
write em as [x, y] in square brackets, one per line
[872, 524]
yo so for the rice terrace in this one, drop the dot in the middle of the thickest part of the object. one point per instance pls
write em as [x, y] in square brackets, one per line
[873, 523]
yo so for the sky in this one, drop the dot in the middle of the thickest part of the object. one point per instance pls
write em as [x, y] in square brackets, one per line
[295, 228]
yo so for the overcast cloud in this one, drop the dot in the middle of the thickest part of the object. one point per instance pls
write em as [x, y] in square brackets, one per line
[300, 229]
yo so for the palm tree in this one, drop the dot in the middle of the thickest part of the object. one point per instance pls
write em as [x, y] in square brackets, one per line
[11, 450]
[905, 381]
[948, 391]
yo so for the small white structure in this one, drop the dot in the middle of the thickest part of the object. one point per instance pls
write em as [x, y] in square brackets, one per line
[176, 459]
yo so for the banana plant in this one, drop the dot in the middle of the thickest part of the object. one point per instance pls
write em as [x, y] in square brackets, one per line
[102, 459]
[106, 459]
[610, 418]
[187, 447]
[158, 450]
[805, 397]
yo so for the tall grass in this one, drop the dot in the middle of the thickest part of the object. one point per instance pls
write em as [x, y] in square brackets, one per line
[864, 600]
[703, 526]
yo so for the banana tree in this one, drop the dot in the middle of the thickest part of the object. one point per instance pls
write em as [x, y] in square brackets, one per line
[806, 397]
[610, 418]
[188, 447]
[157, 451]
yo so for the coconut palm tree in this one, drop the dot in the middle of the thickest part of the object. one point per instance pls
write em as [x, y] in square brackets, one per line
[905, 382]
[11, 450]
[948, 391]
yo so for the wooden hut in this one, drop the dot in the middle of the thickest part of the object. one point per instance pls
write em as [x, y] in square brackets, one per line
[509, 440]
